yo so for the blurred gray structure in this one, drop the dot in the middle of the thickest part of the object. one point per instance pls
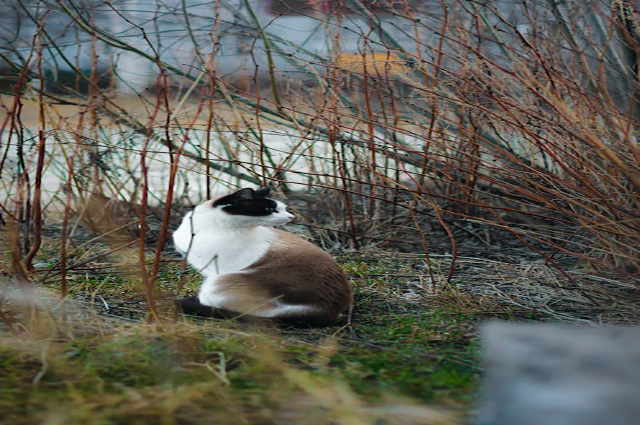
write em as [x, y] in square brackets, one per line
[547, 374]
[184, 33]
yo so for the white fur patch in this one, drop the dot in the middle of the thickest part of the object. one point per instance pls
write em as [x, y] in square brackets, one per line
[285, 310]
[216, 252]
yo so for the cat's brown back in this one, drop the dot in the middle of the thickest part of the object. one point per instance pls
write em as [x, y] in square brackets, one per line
[301, 273]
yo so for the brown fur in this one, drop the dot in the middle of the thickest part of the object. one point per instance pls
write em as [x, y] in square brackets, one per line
[292, 271]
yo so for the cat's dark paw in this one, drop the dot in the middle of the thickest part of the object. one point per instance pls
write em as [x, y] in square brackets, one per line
[193, 306]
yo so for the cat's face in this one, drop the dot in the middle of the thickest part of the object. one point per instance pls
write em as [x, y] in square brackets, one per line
[244, 208]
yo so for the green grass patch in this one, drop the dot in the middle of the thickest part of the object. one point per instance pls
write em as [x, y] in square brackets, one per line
[424, 356]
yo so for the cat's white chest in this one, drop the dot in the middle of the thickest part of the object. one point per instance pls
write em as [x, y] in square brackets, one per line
[213, 252]
[238, 251]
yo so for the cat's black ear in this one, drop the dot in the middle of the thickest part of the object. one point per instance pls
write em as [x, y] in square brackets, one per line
[245, 194]
[241, 195]
[262, 192]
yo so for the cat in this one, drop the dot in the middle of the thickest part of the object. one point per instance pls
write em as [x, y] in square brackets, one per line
[252, 270]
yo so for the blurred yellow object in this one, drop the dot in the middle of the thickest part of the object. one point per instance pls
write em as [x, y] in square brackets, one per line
[376, 64]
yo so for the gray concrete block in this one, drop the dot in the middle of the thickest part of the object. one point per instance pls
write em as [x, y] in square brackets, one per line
[549, 374]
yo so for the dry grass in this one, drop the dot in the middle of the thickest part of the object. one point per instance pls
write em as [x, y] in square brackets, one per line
[499, 288]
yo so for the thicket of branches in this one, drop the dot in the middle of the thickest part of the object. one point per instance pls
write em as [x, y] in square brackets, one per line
[400, 118]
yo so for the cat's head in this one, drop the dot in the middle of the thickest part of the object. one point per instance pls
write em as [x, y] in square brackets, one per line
[244, 208]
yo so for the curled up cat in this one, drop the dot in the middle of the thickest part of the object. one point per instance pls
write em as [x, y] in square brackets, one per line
[252, 270]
